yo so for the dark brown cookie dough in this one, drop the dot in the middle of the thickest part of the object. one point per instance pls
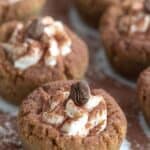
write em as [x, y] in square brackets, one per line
[19, 9]
[143, 92]
[91, 10]
[15, 84]
[39, 135]
[125, 34]
[9, 138]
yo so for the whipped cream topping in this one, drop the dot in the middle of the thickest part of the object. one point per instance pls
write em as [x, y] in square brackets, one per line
[52, 118]
[9, 1]
[73, 120]
[138, 20]
[13, 1]
[140, 23]
[42, 39]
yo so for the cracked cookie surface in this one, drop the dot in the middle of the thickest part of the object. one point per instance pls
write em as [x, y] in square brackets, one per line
[17, 83]
[40, 135]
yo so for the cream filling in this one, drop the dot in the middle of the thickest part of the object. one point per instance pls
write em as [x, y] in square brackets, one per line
[28, 60]
[99, 118]
[137, 5]
[52, 53]
[9, 1]
[76, 127]
[84, 123]
[81, 120]
[54, 119]
[140, 26]
[93, 102]
[13, 1]
[52, 33]
[72, 110]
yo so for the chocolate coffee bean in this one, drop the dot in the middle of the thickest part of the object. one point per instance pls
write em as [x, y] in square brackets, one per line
[35, 29]
[80, 93]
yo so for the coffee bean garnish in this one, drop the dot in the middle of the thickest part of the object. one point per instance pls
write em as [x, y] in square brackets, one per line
[147, 5]
[35, 29]
[80, 93]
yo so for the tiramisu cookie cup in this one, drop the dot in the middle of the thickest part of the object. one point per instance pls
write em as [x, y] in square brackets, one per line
[143, 92]
[126, 35]
[19, 9]
[91, 10]
[67, 115]
[38, 52]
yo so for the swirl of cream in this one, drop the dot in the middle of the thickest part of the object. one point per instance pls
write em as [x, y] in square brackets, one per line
[41, 39]
[78, 120]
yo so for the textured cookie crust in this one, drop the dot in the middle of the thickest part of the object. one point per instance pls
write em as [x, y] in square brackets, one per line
[16, 84]
[143, 92]
[91, 10]
[41, 136]
[9, 138]
[129, 55]
[20, 10]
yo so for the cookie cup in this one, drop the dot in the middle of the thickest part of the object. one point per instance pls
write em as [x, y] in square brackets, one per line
[128, 54]
[15, 84]
[38, 135]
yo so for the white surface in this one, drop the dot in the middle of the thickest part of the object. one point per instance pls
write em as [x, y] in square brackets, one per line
[144, 125]
[126, 145]
[6, 107]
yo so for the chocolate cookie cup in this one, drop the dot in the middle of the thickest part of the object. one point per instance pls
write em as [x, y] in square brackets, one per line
[91, 10]
[67, 115]
[125, 34]
[9, 137]
[143, 92]
[38, 52]
[19, 9]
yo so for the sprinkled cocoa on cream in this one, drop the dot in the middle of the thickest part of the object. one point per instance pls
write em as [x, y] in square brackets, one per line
[77, 115]
[9, 1]
[41, 40]
[137, 19]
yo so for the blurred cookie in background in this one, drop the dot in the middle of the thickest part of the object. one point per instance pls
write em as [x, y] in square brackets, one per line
[92, 10]
[19, 9]
[143, 93]
[125, 34]
[40, 51]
